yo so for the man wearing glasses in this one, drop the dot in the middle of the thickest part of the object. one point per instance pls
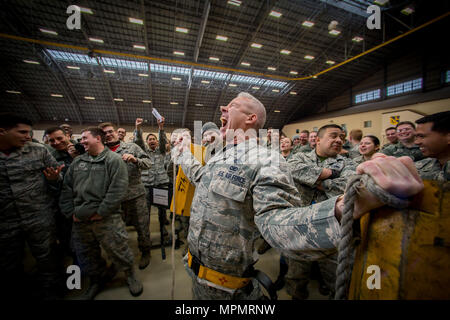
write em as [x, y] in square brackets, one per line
[406, 133]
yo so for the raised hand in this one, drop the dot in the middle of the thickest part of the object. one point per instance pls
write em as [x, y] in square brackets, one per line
[52, 174]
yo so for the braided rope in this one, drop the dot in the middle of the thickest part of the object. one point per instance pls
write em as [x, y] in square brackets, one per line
[346, 247]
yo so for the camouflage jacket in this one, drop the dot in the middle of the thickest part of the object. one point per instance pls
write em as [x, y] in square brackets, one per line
[430, 169]
[306, 169]
[237, 199]
[358, 160]
[135, 186]
[25, 193]
[354, 152]
[157, 175]
[306, 148]
[94, 185]
[347, 145]
[399, 150]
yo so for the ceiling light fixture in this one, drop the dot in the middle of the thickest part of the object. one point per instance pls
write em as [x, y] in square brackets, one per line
[182, 30]
[108, 71]
[138, 46]
[308, 24]
[334, 32]
[31, 62]
[73, 67]
[205, 81]
[256, 45]
[309, 57]
[214, 58]
[13, 91]
[275, 14]
[48, 31]
[293, 93]
[255, 88]
[232, 85]
[86, 10]
[89, 98]
[275, 90]
[271, 68]
[136, 21]
[246, 64]
[276, 111]
[147, 101]
[408, 10]
[56, 95]
[176, 78]
[284, 51]
[293, 72]
[179, 53]
[357, 39]
[118, 99]
[199, 105]
[174, 103]
[330, 62]
[143, 75]
[98, 40]
[221, 38]
[236, 3]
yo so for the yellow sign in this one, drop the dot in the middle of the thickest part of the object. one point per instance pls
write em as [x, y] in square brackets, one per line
[184, 190]
[394, 120]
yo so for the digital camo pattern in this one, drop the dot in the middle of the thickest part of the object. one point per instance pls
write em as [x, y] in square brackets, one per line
[430, 169]
[135, 186]
[235, 201]
[157, 176]
[305, 148]
[135, 212]
[399, 150]
[27, 213]
[306, 169]
[111, 235]
[94, 185]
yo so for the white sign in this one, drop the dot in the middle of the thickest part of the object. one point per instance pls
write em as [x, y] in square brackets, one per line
[161, 196]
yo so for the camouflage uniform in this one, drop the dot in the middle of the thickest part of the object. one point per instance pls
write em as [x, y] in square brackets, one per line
[306, 148]
[347, 145]
[354, 152]
[358, 160]
[27, 214]
[134, 207]
[97, 185]
[236, 199]
[399, 150]
[305, 169]
[430, 169]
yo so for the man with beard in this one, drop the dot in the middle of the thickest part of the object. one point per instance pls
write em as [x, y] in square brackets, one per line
[247, 190]
[134, 207]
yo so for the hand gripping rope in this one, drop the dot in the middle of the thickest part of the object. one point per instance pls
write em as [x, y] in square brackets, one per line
[346, 243]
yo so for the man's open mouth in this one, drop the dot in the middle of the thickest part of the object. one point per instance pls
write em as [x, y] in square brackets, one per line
[224, 121]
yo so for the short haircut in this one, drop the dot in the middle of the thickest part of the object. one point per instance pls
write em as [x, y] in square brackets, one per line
[374, 139]
[103, 125]
[9, 121]
[390, 128]
[325, 127]
[151, 134]
[356, 134]
[406, 122]
[95, 131]
[53, 129]
[260, 109]
[305, 131]
[440, 121]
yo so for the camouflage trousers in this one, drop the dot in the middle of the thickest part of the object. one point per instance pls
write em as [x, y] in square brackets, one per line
[135, 212]
[205, 292]
[110, 234]
[299, 274]
[39, 233]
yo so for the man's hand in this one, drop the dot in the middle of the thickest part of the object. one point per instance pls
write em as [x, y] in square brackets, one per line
[52, 174]
[397, 176]
[161, 123]
[325, 174]
[129, 158]
[96, 217]
[343, 151]
[138, 123]
[75, 219]
[72, 150]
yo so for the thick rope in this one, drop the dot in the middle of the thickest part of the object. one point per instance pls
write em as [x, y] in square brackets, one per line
[172, 256]
[345, 248]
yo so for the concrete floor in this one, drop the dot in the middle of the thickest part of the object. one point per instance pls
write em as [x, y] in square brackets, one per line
[157, 277]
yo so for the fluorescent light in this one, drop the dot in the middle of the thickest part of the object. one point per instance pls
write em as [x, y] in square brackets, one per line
[13, 91]
[147, 101]
[136, 21]
[31, 61]
[108, 71]
[89, 98]
[118, 99]
[143, 75]
[407, 11]
[293, 72]
[293, 93]
[98, 40]
[48, 31]
[276, 111]
[182, 30]
[256, 45]
[236, 3]
[56, 95]
[86, 10]
[334, 32]
[246, 64]
[179, 53]
[275, 14]
[381, 2]
[232, 85]
[176, 78]
[357, 39]
[315, 77]
[221, 38]
[284, 51]
[205, 81]
[271, 68]
[199, 105]
[138, 46]
[255, 88]
[73, 67]
[330, 62]
[309, 57]
[307, 24]
[275, 90]
[174, 103]
[214, 58]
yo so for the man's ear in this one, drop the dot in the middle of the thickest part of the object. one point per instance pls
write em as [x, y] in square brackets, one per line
[251, 119]
[3, 131]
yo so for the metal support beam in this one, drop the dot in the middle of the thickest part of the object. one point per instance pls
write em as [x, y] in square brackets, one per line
[147, 52]
[198, 44]
[348, 6]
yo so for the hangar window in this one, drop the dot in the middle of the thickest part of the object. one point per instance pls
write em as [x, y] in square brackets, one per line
[367, 96]
[407, 86]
